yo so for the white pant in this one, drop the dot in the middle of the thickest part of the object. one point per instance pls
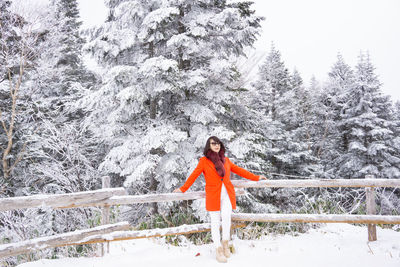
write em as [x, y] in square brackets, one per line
[224, 213]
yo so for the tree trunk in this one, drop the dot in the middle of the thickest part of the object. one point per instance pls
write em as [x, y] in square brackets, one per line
[153, 189]
[153, 107]
[273, 107]
[14, 90]
[182, 64]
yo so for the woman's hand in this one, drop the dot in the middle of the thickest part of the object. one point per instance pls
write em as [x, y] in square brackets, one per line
[262, 177]
[178, 190]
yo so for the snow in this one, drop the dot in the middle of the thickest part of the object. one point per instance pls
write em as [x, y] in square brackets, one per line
[198, 113]
[154, 18]
[153, 67]
[329, 246]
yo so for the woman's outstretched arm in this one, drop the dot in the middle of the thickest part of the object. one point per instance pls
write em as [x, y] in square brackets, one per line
[246, 174]
[190, 180]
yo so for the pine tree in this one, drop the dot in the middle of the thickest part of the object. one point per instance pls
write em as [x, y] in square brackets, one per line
[316, 124]
[61, 152]
[397, 110]
[167, 87]
[17, 56]
[333, 140]
[62, 72]
[286, 104]
[59, 155]
[273, 81]
[396, 117]
[285, 111]
[368, 128]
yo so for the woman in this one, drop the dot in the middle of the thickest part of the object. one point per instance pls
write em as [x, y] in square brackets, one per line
[220, 194]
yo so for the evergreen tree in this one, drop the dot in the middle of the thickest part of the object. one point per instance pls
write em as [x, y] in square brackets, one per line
[167, 87]
[17, 56]
[315, 113]
[368, 128]
[397, 110]
[285, 115]
[333, 140]
[286, 104]
[62, 74]
[59, 156]
[62, 154]
[273, 81]
[396, 140]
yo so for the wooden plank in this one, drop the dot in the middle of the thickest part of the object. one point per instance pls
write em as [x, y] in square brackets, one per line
[150, 198]
[371, 210]
[101, 198]
[13, 249]
[105, 214]
[117, 196]
[71, 200]
[128, 235]
[318, 183]
[316, 218]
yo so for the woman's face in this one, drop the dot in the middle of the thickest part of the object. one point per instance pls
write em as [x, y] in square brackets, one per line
[215, 146]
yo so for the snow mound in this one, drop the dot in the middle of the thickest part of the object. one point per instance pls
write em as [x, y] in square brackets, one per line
[329, 246]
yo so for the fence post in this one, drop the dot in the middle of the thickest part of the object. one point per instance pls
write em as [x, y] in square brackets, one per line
[371, 209]
[105, 213]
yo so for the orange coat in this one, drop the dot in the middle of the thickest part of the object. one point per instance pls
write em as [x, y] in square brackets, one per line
[214, 181]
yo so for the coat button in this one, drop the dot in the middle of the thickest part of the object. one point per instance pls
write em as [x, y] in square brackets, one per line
[222, 179]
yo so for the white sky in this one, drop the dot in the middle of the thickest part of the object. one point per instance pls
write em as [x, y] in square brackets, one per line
[310, 34]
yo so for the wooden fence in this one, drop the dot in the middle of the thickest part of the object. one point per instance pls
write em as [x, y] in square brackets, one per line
[107, 197]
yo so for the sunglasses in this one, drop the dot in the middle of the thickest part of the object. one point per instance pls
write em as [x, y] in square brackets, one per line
[215, 143]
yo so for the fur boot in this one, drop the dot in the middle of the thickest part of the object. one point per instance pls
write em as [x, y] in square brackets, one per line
[220, 255]
[225, 247]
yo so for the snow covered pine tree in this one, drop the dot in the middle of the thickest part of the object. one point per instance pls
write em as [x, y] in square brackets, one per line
[368, 127]
[56, 156]
[61, 151]
[285, 118]
[17, 54]
[166, 87]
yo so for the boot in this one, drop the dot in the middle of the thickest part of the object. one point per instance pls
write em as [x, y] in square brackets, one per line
[225, 247]
[220, 255]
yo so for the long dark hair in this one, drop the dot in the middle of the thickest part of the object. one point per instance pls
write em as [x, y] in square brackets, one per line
[216, 139]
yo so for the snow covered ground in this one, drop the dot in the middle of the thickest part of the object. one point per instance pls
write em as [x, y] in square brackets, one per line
[332, 245]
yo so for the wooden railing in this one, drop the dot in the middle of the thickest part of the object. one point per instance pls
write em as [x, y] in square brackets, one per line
[107, 197]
